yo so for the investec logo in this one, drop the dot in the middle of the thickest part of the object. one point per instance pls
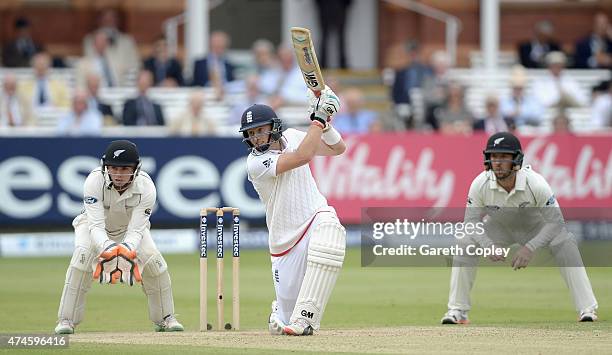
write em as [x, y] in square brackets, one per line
[311, 79]
[203, 238]
[220, 237]
[236, 233]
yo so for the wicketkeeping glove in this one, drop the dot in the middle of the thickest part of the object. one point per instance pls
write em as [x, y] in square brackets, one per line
[106, 270]
[323, 107]
[126, 263]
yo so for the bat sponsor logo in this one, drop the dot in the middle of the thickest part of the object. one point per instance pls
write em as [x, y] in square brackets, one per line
[311, 79]
[307, 314]
[307, 56]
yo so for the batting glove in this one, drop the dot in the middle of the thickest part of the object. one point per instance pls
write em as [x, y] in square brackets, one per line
[126, 263]
[106, 270]
[323, 107]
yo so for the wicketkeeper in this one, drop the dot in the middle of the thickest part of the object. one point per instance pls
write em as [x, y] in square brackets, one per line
[113, 242]
[520, 207]
[307, 241]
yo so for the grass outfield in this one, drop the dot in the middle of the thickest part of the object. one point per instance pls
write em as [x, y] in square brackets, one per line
[367, 304]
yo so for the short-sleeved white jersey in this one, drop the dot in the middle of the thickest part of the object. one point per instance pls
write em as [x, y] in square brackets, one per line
[291, 199]
[515, 210]
[115, 216]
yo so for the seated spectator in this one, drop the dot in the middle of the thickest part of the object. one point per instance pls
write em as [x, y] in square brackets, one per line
[558, 90]
[167, 71]
[601, 108]
[493, 121]
[532, 54]
[410, 77]
[42, 91]
[561, 124]
[214, 70]
[263, 52]
[14, 110]
[111, 72]
[521, 107]
[81, 121]
[94, 103]
[354, 118]
[141, 111]
[122, 47]
[452, 115]
[253, 96]
[284, 85]
[193, 122]
[435, 87]
[19, 52]
[595, 50]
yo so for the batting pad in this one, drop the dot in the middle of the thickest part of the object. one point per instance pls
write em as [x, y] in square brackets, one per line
[158, 288]
[325, 258]
[78, 282]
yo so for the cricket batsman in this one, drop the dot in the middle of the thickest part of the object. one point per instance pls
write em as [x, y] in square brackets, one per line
[519, 207]
[112, 236]
[307, 241]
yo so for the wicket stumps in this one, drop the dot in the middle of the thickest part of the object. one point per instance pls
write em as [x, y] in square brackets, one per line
[219, 212]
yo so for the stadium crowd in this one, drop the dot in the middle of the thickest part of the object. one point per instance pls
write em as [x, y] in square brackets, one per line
[541, 91]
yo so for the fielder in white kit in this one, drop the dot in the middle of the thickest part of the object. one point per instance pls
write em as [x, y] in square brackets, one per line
[307, 241]
[520, 208]
[112, 235]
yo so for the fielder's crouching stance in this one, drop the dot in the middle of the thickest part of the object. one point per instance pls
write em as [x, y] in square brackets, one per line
[112, 236]
[307, 241]
[520, 208]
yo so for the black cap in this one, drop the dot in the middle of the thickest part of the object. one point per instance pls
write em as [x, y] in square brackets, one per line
[503, 142]
[257, 115]
[121, 153]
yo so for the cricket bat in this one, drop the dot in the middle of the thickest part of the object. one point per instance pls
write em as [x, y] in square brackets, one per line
[307, 59]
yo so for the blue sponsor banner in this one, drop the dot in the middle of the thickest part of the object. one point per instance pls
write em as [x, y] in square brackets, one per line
[41, 179]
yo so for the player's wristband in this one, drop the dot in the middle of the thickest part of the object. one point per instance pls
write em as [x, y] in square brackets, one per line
[318, 124]
[330, 136]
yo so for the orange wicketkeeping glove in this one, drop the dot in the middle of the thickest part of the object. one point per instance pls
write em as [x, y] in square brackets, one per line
[126, 264]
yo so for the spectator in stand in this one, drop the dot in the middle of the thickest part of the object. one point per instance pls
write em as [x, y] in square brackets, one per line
[43, 92]
[412, 76]
[14, 109]
[557, 89]
[19, 52]
[436, 87]
[332, 17]
[214, 70]
[601, 107]
[354, 118]
[561, 124]
[263, 52]
[253, 96]
[285, 85]
[452, 115]
[595, 50]
[100, 61]
[193, 122]
[493, 121]
[167, 71]
[520, 106]
[93, 101]
[81, 121]
[141, 111]
[122, 48]
[533, 53]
